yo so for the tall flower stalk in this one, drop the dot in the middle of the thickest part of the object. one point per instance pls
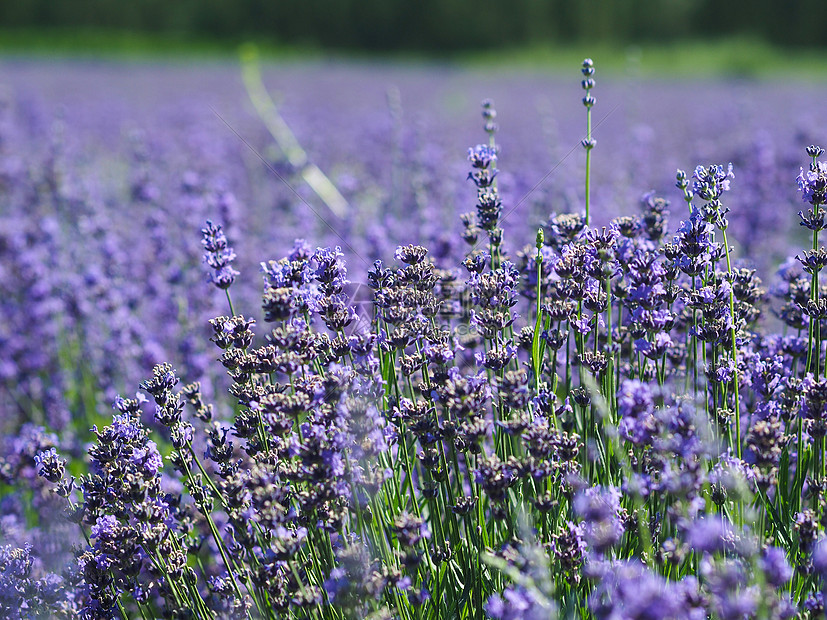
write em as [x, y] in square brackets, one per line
[709, 185]
[813, 187]
[588, 142]
[219, 256]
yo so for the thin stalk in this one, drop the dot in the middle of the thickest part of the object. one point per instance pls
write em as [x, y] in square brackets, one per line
[588, 143]
[536, 353]
[814, 295]
[588, 162]
[610, 391]
[735, 378]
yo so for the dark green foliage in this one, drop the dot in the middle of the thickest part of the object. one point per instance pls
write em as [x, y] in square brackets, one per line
[434, 25]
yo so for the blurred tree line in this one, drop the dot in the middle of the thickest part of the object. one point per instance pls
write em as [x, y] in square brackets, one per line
[434, 25]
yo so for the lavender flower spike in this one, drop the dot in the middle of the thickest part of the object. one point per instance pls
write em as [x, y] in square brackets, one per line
[219, 256]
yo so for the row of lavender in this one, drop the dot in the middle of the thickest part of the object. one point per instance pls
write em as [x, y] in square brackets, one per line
[617, 421]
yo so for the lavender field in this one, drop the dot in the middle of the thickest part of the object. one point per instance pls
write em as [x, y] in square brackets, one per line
[365, 352]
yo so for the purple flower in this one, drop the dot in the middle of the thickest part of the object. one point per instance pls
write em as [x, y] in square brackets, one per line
[26, 590]
[583, 325]
[815, 603]
[518, 603]
[218, 255]
[636, 407]
[812, 183]
[654, 350]
[777, 570]
[820, 558]
[410, 254]
[301, 251]
[410, 530]
[105, 527]
[814, 400]
[569, 546]
[496, 359]
[724, 373]
[709, 534]
[600, 510]
[49, 465]
[646, 295]
[482, 156]
[731, 473]
[732, 597]
[337, 582]
[286, 273]
[630, 591]
[440, 354]
[711, 182]
[634, 398]
[148, 458]
[330, 270]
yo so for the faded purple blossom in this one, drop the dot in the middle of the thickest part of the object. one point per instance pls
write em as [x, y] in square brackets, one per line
[600, 510]
[518, 603]
[777, 570]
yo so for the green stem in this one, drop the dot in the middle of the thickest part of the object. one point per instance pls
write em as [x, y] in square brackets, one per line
[814, 293]
[536, 354]
[588, 160]
[735, 379]
[610, 388]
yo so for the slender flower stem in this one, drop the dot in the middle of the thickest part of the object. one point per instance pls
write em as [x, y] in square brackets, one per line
[814, 327]
[814, 294]
[536, 354]
[588, 165]
[588, 142]
[610, 388]
[735, 379]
